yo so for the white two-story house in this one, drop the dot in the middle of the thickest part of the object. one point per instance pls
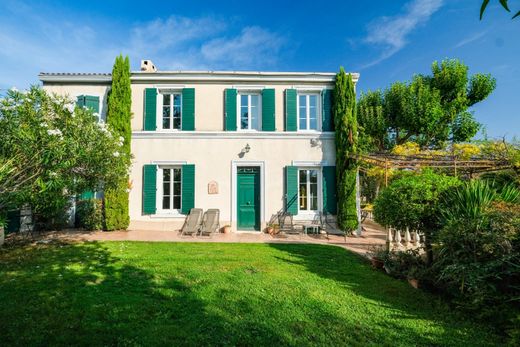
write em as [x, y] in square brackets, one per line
[248, 143]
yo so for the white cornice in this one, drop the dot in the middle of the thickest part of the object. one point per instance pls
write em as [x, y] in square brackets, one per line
[198, 76]
[230, 135]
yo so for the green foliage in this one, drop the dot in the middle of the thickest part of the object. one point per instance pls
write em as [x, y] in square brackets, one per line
[116, 208]
[89, 214]
[59, 149]
[504, 4]
[413, 201]
[119, 118]
[429, 110]
[345, 120]
[478, 257]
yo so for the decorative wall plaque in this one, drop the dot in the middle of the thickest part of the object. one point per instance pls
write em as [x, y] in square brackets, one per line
[212, 187]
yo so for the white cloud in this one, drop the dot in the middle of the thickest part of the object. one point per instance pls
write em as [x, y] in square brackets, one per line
[244, 50]
[36, 41]
[470, 39]
[391, 33]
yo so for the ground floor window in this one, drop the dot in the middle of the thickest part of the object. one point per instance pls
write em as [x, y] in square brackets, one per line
[308, 190]
[170, 188]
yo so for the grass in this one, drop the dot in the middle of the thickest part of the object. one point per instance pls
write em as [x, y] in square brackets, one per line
[136, 293]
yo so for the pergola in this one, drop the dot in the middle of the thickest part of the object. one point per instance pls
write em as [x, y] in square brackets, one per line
[450, 163]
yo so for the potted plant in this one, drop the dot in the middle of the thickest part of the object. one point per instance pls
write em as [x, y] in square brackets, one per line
[413, 277]
[377, 255]
[226, 229]
[272, 229]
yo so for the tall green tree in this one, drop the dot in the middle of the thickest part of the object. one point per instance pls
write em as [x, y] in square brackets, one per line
[345, 120]
[429, 110]
[119, 118]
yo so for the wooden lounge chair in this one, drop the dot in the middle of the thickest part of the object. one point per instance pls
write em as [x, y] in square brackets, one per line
[210, 222]
[287, 227]
[192, 223]
[329, 225]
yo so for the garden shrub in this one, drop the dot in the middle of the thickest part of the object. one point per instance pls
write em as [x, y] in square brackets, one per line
[478, 258]
[412, 201]
[89, 214]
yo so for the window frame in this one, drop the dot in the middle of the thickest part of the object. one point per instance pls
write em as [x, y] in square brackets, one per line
[319, 206]
[160, 106]
[319, 97]
[160, 193]
[239, 107]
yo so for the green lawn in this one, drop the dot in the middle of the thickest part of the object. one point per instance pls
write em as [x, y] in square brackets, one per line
[132, 293]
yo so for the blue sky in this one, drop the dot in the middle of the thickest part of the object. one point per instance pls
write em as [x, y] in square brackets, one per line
[384, 40]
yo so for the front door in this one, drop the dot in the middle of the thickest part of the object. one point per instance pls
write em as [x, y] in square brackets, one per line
[248, 198]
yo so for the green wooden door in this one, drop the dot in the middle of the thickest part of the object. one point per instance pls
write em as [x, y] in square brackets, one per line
[248, 198]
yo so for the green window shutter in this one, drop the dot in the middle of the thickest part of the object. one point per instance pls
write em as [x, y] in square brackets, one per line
[188, 188]
[230, 118]
[89, 194]
[149, 189]
[188, 109]
[330, 204]
[268, 110]
[291, 189]
[92, 102]
[290, 110]
[150, 109]
[327, 119]
[80, 102]
[89, 101]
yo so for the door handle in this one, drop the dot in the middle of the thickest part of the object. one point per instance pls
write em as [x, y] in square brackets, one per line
[249, 202]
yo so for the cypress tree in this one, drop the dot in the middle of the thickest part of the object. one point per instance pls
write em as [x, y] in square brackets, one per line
[119, 118]
[345, 120]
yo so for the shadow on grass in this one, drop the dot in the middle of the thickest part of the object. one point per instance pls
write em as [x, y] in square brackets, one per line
[405, 305]
[84, 294]
[126, 294]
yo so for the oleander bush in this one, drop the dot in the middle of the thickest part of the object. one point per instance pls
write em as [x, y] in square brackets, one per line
[89, 214]
[55, 150]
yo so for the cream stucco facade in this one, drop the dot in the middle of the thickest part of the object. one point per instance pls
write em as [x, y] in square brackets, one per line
[215, 152]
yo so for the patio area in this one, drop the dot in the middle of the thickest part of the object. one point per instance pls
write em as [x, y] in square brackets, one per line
[372, 234]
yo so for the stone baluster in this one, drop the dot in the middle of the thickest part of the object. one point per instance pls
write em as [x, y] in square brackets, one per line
[416, 238]
[407, 238]
[397, 238]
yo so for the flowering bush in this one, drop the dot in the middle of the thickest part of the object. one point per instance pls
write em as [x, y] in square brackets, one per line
[60, 148]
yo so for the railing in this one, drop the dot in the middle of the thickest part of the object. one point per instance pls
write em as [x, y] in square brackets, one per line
[403, 240]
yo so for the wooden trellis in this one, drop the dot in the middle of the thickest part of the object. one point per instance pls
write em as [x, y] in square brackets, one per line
[450, 163]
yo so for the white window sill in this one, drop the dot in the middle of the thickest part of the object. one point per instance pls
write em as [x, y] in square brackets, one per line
[168, 215]
[306, 215]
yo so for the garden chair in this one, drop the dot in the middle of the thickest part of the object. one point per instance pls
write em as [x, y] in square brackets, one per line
[192, 223]
[329, 225]
[210, 222]
[287, 227]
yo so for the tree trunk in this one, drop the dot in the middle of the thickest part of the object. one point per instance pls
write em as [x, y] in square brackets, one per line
[358, 203]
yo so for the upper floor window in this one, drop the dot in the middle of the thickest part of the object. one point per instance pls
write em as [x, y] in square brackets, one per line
[171, 110]
[308, 111]
[249, 111]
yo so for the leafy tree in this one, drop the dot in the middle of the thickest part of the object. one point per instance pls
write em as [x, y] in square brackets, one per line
[59, 150]
[504, 4]
[119, 118]
[429, 110]
[345, 120]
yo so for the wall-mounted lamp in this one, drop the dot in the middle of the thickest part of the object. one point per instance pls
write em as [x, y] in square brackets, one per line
[246, 149]
[315, 142]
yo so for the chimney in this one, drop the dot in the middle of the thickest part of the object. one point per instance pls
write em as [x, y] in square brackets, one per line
[148, 66]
